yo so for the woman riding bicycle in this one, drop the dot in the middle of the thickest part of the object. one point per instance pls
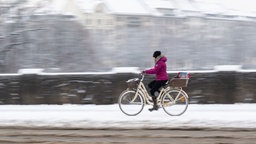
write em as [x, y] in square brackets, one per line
[161, 77]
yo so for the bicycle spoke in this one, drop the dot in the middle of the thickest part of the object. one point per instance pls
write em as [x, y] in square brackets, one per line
[130, 103]
[135, 103]
[175, 102]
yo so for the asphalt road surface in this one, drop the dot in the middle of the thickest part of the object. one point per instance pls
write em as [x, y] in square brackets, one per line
[46, 135]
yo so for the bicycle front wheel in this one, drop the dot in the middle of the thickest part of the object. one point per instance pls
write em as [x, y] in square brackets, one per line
[130, 103]
[175, 102]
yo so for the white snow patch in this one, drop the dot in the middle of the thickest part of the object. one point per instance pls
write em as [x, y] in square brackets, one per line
[109, 116]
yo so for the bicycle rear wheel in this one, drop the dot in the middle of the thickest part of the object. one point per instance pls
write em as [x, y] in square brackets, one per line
[175, 102]
[130, 104]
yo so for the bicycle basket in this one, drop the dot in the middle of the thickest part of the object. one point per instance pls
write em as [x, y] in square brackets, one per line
[132, 83]
[178, 82]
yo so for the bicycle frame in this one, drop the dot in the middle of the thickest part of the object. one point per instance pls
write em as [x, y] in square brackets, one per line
[143, 92]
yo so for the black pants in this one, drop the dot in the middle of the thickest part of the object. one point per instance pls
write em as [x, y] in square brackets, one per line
[155, 85]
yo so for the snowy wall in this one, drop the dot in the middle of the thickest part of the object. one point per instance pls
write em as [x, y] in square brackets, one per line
[104, 88]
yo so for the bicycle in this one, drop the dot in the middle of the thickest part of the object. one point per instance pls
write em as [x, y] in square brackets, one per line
[172, 98]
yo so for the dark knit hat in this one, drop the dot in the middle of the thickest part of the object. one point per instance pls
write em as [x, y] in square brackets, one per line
[156, 54]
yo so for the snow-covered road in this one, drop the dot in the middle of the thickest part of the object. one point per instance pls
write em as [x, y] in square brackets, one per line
[109, 116]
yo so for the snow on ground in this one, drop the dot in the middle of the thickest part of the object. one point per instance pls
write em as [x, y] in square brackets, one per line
[110, 116]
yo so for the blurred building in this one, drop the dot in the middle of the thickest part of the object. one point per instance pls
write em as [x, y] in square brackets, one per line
[183, 29]
[194, 34]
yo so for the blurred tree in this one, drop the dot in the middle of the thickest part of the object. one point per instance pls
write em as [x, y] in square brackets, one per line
[28, 40]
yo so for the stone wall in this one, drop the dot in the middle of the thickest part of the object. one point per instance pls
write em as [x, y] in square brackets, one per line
[223, 87]
[204, 87]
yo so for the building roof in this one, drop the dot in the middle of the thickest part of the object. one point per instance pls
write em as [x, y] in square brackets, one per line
[245, 8]
[149, 7]
[155, 5]
[163, 4]
[184, 5]
[130, 7]
[87, 6]
[227, 7]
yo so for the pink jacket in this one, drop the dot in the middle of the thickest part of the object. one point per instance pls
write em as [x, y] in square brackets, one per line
[159, 69]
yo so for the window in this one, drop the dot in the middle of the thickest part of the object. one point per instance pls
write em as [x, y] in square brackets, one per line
[133, 21]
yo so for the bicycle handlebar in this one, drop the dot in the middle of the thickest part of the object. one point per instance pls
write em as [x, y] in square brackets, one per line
[142, 75]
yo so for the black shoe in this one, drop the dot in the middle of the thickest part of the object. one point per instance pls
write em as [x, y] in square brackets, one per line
[153, 108]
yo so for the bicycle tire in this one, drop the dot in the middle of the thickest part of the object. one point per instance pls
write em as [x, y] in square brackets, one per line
[129, 104]
[175, 102]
